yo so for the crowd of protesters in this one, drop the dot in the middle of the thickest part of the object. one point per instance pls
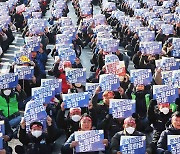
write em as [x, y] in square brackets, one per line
[151, 119]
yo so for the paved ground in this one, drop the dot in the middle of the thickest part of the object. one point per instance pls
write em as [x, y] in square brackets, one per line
[8, 57]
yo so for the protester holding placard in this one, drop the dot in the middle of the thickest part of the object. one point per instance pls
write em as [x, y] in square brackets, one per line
[129, 130]
[142, 96]
[60, 73]
[71, 122]
[36, 141]
[173, 130]
[71, 143]
[159, 116]
[101, 108]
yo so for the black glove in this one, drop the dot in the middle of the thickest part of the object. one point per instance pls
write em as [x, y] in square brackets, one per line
[153, 102]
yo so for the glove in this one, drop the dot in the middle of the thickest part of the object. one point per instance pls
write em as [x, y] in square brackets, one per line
[153, 102]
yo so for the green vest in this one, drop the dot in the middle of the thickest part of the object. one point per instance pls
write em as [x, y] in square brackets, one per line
[147, 99]
[13, 106]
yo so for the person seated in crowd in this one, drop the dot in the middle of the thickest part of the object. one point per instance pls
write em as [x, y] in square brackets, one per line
[174, 129]
[36, 141]
[9, 106]
[129, 130]
[101, 108]
[142, 95]
[60, 73]
[159, 116]
[7, 136]
[71, 123]
[84, 125]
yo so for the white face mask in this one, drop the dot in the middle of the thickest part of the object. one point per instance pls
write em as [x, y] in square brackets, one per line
[165, 110]
[7, 92]
[37, 133]
[76, 118]
[130, 130]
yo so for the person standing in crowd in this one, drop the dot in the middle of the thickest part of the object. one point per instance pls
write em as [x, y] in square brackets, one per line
[174, 129]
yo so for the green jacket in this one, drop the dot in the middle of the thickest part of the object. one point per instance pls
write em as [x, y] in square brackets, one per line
[10, 108]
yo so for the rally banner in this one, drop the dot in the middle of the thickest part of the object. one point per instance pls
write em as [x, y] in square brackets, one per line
[110, 45]
[89, 141]
[2, 127]
[133, 144]
[9, 80]
[167, 77]
[167, 29]
[76, 75]
[146, 36]
[173, 142]
[53, 84]
[24, 72]
[152, 47]
[63, 39]
[90, 88]
[22, 57]
[122, 108]
[43, 94]
[67, 54]
[165, 93]
[65, 21]
[168, 64]
[117, 68]
[76, 100]
[111, 58]
[141, 76]
[34, 111]
[176, 78]
[109, 82]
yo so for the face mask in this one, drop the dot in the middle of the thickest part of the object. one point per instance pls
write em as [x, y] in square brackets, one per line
[76, 118]
[165, 110]
[130, 130]
[7, 92]
[37, 133]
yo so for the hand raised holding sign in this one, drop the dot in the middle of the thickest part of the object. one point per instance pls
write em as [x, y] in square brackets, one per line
[105, 142]
[98, 90]
[49, 121]
[62, 106]
[23, 123]
[73, 144]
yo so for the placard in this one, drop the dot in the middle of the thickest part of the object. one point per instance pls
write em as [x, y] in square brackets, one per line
[109, 82]
[89, 140]
[76, 75]
[133, 144]
[141, 76]
[9, 80]
[76, 100]
[122, 108]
